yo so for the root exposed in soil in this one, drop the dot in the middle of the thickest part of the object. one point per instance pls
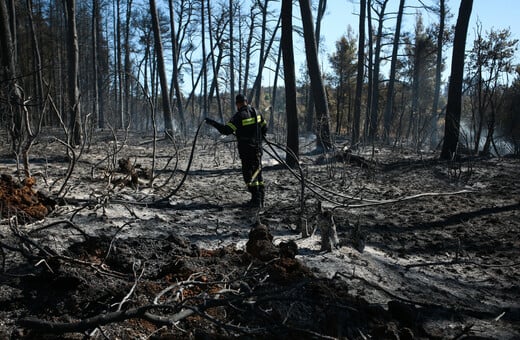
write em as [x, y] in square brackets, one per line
[22, 201]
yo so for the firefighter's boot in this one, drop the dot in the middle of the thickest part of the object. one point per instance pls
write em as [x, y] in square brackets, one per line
[261, 192]
[256, 200]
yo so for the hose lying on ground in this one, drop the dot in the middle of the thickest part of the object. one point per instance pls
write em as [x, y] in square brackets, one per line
[174, 191]
[304, 183]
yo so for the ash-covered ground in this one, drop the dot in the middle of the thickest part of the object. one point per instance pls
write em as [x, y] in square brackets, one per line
[426, 249]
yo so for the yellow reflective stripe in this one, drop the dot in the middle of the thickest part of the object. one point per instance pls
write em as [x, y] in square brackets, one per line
[251, 121]
[255, 184]
[232, 126]
[248, 121]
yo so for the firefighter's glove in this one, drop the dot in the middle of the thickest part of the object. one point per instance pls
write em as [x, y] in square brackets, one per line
[210, 122]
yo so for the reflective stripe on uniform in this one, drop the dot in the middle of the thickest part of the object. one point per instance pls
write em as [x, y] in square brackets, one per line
[256, 184]
[251, 121]
[232, 126]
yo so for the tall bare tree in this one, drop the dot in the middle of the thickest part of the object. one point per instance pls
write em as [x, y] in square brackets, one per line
[118, 63]
[320, 13]
[374, 107]
[360, 73]
[97, 81]
[438, 74]
[204, 97]
[389, 105]
[231, 55]
[127, 67]
[74, 108]
[257, 86]
[8, 72]
[290, 81]
[323, 141]
[175, 68]
[370, 67]
[167, 112]
[453, 108]
[37, 60]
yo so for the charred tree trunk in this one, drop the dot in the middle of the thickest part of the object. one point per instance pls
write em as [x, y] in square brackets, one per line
[389, 106]
[290, 81]
[204, 98]
[360, 74]
[374, 107]
[75, 128]
[96, 14]
[168, 123]
[453, 109]
[37, 60]
[231, 57]
[175, 70]
[323, 141]
[8, 72]
[127, 78]
[438, 74]
[322, 6]
[275, 87]
[370, 70]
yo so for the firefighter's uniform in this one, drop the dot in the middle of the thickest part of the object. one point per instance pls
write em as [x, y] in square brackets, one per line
[249, 127]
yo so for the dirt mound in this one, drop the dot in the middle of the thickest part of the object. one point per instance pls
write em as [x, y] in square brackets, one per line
[22, 201]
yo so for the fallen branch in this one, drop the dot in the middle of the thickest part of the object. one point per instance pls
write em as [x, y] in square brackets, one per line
[100, 320]
[67, 224]
[142, 312]
[453, 262]
[402, 199]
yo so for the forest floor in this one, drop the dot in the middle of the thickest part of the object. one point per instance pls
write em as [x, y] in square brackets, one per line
[427, 249]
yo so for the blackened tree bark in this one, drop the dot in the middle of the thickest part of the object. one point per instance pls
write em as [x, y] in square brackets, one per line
[360, 73]
[374, 107]
[323, 141]
[438, 74]
[204, 98]
[118, 60]
[38, 80]
[290, 81]
[231, 57]
[127, 66]
[453, 108]
[388, 113]
[309, 119]
[8, 72]
[272, 109]
[75, 129]
[175, 68]
[370, 68]
[167, 112]
[96, 16]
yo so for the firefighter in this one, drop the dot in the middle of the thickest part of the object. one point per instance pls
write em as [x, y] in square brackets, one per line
[249, 128]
